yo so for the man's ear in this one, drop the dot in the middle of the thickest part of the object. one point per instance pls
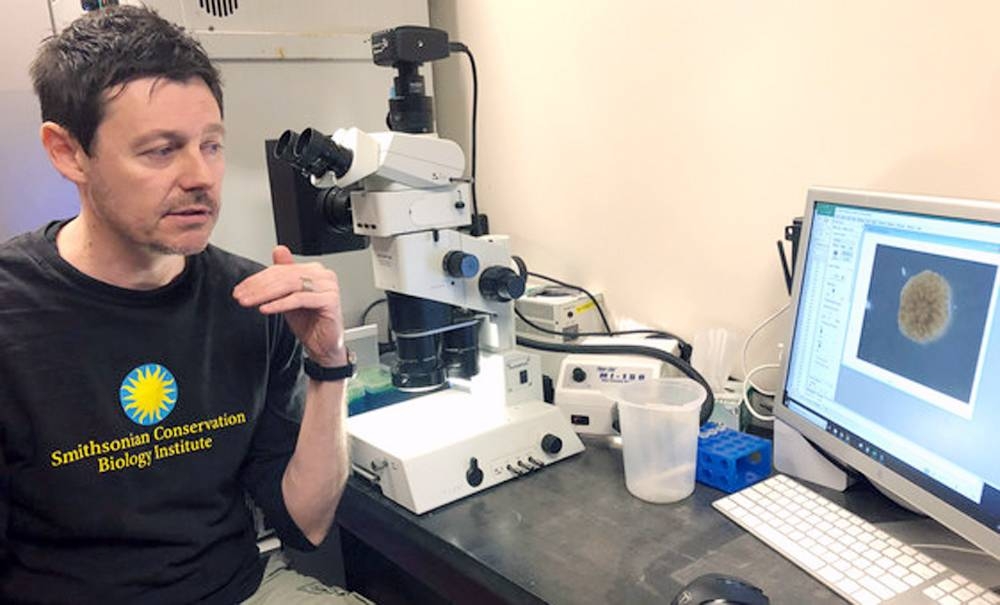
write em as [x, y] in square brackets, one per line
[65, 152]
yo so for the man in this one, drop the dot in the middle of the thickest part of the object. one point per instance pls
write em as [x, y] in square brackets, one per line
[148, 380]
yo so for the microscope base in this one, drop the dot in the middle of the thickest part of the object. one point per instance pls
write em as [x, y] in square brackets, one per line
[424, 453]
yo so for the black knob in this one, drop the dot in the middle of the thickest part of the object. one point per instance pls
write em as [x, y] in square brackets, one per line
[461, 264]
[551, 444]
[500, 284]
[475, 474]
[579, 375]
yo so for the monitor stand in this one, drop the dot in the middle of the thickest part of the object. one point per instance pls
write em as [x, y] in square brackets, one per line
[795, 456]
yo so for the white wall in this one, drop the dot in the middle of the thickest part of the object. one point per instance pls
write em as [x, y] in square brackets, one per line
[31, 193]
[265, 97]
[655, 150]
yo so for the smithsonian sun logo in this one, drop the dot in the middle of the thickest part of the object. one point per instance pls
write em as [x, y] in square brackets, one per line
[148, 394]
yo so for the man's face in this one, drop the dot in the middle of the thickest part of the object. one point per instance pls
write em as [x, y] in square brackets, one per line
[155, 168]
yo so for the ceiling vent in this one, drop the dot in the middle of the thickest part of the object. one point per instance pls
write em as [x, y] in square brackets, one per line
[219, 8]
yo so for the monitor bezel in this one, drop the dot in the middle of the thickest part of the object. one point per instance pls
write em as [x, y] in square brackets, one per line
[971, 529]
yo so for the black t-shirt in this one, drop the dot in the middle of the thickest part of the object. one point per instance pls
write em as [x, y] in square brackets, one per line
[132, 423]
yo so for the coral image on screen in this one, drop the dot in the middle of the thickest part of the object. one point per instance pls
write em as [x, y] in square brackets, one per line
[925, 307]
[924, 318]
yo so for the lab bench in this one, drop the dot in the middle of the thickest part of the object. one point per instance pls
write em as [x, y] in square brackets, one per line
[571, 533]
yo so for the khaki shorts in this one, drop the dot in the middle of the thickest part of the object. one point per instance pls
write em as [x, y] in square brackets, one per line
[283, 586]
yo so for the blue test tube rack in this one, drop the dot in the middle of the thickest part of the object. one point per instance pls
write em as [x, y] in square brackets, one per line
[730, 460]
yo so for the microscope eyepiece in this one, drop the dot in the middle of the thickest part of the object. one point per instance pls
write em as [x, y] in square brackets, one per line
[318, 154]
[283, 149]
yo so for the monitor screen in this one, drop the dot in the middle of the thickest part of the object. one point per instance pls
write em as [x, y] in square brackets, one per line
[894, 358]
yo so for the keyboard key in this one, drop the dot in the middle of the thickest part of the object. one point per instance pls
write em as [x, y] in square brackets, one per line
[894, 584]
[899, 571]
[866, 598]
[877, 587]
[913, 580]
[831, 574]
[949, 600]
[923, 571]
[741, 500]
[934, 592]
[964, 594]
[947, 585]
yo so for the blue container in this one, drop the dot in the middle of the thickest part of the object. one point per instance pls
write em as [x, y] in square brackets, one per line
[357, 402]
[730, 460]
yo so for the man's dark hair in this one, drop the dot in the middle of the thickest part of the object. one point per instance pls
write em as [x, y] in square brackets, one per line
[112, 47]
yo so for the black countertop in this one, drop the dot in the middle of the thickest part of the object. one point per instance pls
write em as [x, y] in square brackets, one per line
[572, 533]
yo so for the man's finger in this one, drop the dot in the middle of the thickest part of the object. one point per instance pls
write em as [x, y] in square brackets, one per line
[291, 284]
[282, 256]
[296, 302]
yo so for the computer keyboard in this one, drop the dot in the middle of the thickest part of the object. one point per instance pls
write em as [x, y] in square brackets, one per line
[854, 558]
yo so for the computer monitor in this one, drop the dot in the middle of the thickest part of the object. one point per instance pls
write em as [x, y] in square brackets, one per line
[893, 364]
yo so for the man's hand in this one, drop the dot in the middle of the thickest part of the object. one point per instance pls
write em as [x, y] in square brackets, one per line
[309, 296]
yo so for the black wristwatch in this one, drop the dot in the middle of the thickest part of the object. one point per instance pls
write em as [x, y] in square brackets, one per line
[330, 374]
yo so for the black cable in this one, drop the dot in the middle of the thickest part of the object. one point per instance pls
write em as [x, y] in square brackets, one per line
[685, 348]
[706, 407]
[368, 309]
[593, 299]
[383, 347]
[575, 335]
[462, 48]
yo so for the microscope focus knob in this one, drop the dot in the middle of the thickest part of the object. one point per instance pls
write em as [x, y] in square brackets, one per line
[501, 284]
[551, 444]
[461, 264]
[474, 476]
